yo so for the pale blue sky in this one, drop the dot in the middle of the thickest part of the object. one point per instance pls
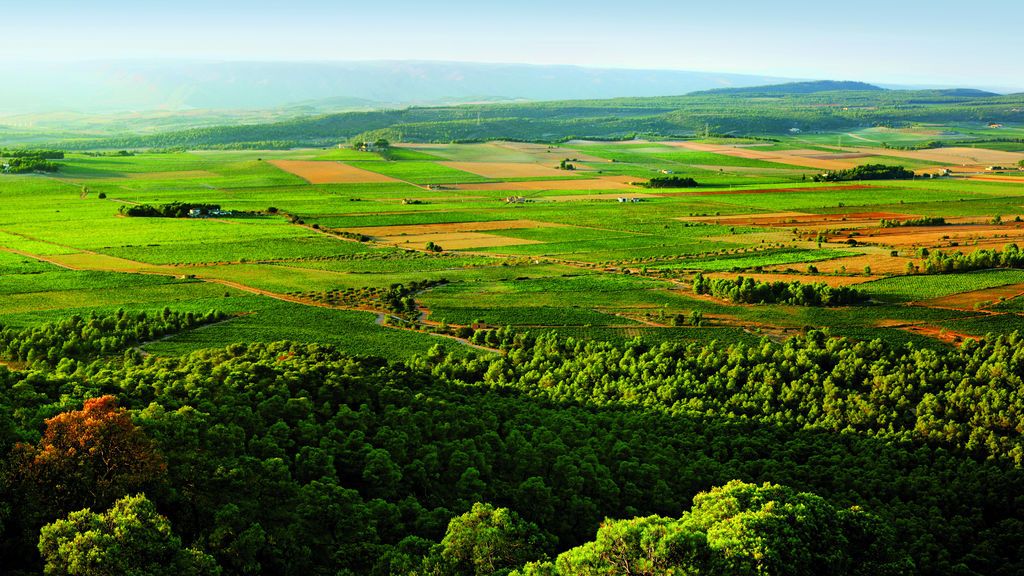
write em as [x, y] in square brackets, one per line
[894, 41]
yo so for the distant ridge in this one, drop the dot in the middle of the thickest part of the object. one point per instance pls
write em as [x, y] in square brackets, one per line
[965, 93]
[799, 88]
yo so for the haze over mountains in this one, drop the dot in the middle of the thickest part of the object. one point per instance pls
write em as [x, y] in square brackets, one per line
[138, 86]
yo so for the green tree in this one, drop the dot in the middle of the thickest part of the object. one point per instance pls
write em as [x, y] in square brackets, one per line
[129, 538]
[737, 530]
[486, 541]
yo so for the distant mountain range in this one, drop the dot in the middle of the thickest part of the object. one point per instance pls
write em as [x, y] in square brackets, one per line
[311, 87]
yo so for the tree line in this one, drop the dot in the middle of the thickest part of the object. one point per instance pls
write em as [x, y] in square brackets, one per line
[940, 262]
[750, 291]
[925, 221]
[866, 172]
[78, 338]
[169, 210]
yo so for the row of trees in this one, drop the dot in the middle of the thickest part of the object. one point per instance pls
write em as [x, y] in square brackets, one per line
[866, 172]
[925, 221]
[750, 291]
[32, 153]
[78, 338]
[27, 165]
[169, 210]
[938, 262]
[671, 182]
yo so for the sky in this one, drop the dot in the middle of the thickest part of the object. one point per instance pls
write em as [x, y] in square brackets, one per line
[938, 42]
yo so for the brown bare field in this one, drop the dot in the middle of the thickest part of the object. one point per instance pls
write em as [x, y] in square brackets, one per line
[994, 244]
[456, 240]
[941, 235]
[507, 169]
[451, 228]
[601, 183]
[967, 300]
[324, 172]
[804, 278]
[879, 263]
[1007, 218]
[780, 156]
[937, 333]
[955, 155]
[1014, 179]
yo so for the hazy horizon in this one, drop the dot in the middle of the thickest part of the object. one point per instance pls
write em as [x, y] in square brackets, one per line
[880, 42]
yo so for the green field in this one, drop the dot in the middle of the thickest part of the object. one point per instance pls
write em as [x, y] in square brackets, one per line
[572, 260]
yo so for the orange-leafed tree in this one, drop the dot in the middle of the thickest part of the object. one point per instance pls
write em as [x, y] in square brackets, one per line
[89, 458]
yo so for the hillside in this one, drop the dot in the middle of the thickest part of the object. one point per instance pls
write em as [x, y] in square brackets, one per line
[798, 88]
[618, 118]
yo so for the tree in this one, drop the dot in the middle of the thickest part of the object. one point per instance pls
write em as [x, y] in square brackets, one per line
[129, 538]
[737, 530]
[89, 458]
[485, 541]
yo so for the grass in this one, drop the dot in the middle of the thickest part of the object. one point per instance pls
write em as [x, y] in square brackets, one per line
[270, 321]
[910, 288]
[772, 257]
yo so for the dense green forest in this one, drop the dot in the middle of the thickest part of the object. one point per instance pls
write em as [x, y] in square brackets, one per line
[830, 107]
[817, 455]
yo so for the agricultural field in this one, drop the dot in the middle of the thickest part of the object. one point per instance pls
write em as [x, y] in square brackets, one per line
[503, 234]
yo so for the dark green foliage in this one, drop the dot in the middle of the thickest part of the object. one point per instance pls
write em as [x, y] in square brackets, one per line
[82, 338]
[27, 165]
[170, 210]
[32, 153]
[288, 459]
[933, 221]
[671, 182]
[129, 538]
[750, 291]
[866, 172]
[939, 262]
[742, 530]
[487, 541]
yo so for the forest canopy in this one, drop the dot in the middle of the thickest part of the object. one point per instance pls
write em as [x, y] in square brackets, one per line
[556, 456]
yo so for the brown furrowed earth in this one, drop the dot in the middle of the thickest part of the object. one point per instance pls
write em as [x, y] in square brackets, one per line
[326, 172]
[972, 300]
